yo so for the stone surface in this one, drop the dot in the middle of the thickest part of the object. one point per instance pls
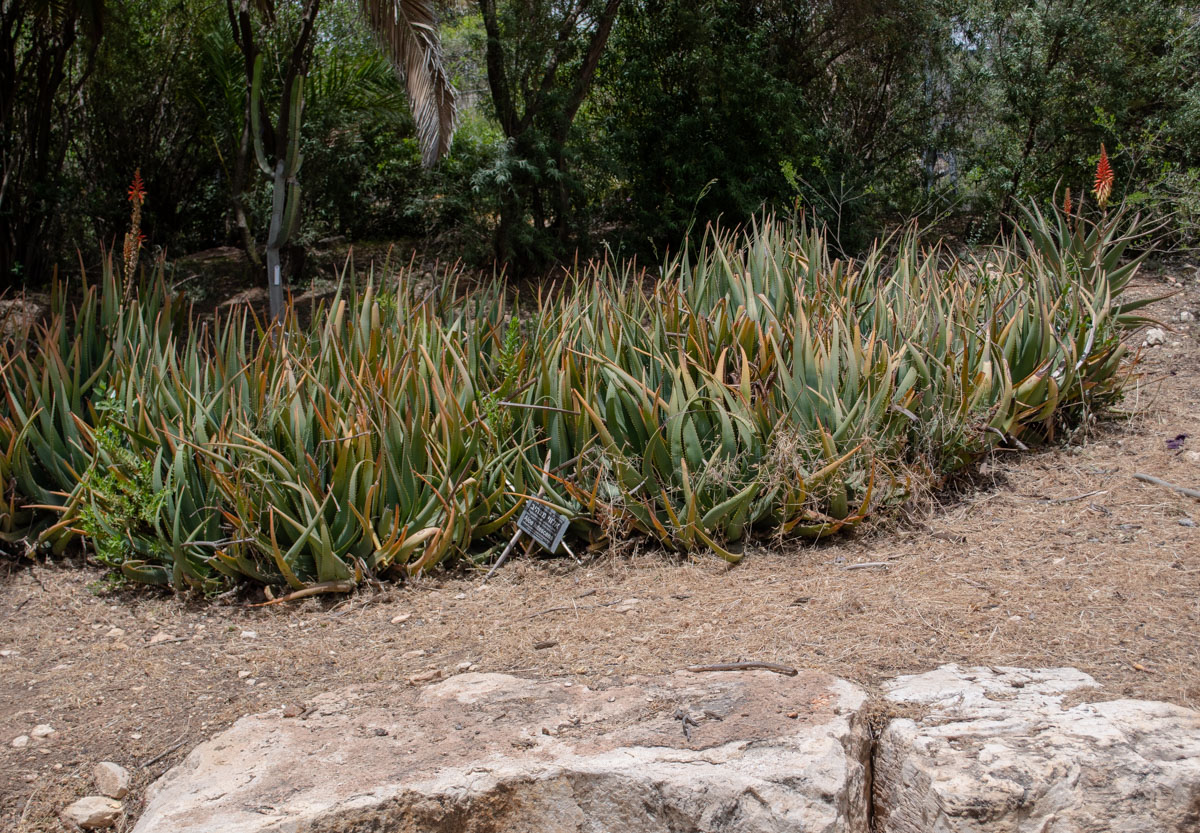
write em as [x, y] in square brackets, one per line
[20, 741]
[42, 730]
[1155, 337]
[94, 812]
[490, 753]
[111, 779]
[998, 750]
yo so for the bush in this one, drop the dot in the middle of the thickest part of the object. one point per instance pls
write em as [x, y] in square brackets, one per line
[759, 388]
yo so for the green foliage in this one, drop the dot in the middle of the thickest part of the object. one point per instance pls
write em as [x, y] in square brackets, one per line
[865, 115]
[759, 387]
[120, 506]
[508, 369]
[1043, 84]
[724, 91]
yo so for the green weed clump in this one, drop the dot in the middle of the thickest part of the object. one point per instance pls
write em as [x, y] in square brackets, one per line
[757, 387]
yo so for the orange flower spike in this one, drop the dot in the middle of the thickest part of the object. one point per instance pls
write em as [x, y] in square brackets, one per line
[1104, 179]
[137, 191]
[1067, 204]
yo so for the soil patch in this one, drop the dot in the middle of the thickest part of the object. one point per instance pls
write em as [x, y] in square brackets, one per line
[1057, 557]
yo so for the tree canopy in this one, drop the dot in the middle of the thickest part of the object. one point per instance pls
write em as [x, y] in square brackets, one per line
[581, 123]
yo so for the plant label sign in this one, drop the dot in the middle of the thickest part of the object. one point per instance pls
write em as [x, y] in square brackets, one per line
[542, 524]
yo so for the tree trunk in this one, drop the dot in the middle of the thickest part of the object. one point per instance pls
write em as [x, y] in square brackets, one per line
[274, 241]
[241, 171]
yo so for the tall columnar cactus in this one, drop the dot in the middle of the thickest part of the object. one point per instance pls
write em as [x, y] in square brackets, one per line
[284, 175]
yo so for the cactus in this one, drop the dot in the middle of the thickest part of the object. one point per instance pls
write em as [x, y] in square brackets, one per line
[284, 173]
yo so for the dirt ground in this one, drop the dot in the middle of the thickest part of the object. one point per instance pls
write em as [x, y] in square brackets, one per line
[1056, 557]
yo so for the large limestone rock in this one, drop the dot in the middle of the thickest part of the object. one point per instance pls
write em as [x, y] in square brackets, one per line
[490, 753]
[997, 751]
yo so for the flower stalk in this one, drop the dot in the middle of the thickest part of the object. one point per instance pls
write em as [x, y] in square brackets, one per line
[1104, 180]
[134, 239]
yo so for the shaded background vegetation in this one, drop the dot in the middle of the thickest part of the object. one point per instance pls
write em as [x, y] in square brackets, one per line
[574, 136]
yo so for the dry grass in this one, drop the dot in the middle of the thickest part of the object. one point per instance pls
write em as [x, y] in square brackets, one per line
[1052, 558]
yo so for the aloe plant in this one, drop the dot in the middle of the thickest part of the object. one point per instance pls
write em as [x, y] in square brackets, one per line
[759, 387]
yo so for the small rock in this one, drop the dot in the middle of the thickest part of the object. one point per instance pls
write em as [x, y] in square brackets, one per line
[425, 676]
[8, 653]
[412, 654]
[111, 779]
[42, 730]
[1187, 522]
[1155, 337]
[403, 617]
[1186, 317]
[249, 635]
[541, 646]
[463, 666]
[1193, 456]
[292, 710]
[20, 741]
[243, 674]
[161, 637]
[460, 596]
[115, 633]
[627, 606]
[94, 812]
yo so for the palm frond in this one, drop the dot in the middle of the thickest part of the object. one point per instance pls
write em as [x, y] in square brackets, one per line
[408, 32]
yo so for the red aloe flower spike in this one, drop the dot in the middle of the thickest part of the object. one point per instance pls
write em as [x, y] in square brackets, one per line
[1104, 179]
[137, 191]
[1067, 204]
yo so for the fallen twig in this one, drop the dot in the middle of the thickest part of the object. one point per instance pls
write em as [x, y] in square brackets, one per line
[512, 542]
[1077, 497]
[343, 586]
[163, 754]
[1183, 490]
[971, 582]
[20, 605]
[572, 607]
[368, 600]
[228, 594]
[744, 666]
[686, 719]
[867, 564]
